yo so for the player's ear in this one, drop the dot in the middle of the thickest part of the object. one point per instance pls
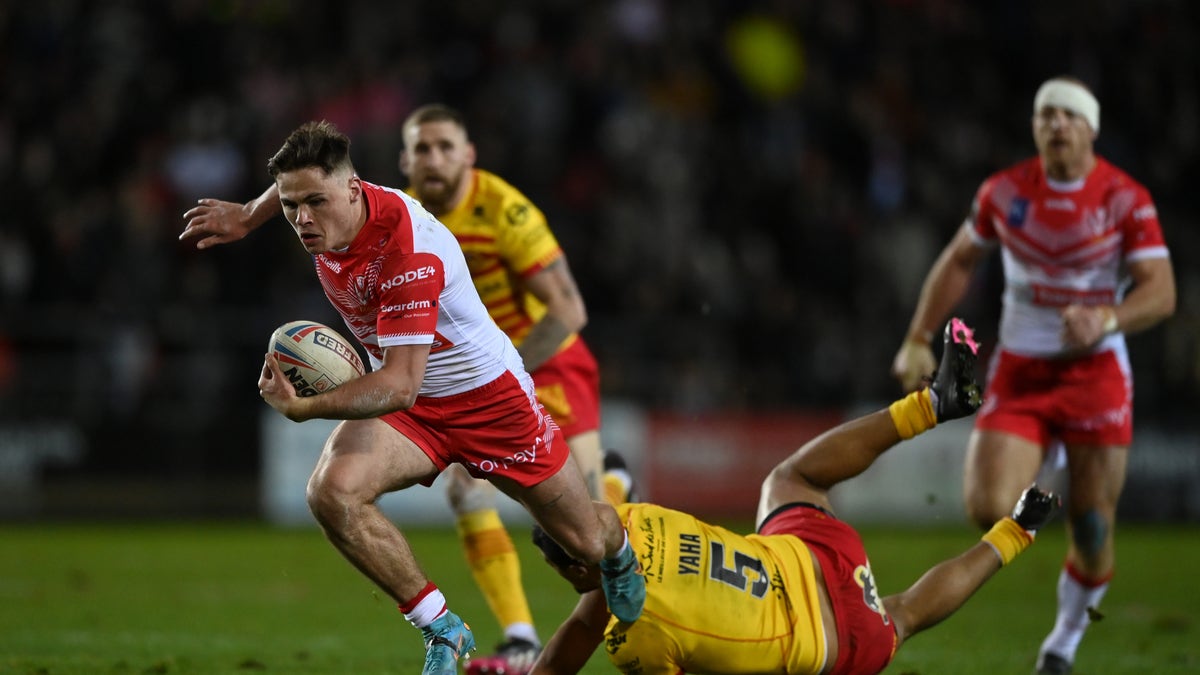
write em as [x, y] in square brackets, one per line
[405, 162]
[354, 184]
[469, 154]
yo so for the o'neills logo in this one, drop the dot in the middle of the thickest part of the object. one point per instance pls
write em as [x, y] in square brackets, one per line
[407, 277]
[1146, 212]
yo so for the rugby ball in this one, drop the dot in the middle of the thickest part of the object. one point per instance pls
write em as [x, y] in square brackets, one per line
[314, 357]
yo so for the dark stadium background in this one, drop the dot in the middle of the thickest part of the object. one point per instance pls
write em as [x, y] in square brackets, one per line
[749, 195]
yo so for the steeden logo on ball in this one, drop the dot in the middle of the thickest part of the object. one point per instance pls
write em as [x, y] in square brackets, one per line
[314, 357]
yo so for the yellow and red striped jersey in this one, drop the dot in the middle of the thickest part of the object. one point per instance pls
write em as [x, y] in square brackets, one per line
[506, 240]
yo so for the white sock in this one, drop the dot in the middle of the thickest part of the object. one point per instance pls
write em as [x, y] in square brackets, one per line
[624, 545]
[1074, 599]
[432, 606]
[522, 631]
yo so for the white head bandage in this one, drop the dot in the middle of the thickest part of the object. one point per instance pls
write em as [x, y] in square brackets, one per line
[1074, 97]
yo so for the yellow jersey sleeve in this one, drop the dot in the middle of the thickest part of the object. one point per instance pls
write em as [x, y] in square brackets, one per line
[505, 239]
[718, 601]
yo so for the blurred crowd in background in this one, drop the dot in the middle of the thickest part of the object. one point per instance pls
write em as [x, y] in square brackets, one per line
[749, 193]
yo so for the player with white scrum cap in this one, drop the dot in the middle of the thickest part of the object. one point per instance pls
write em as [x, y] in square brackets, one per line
[1085, 262]
[1069, 94]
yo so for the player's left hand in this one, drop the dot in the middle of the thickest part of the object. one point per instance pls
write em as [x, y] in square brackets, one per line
[1084, 326]
[215, 222]
[914, 365]
[275, 388]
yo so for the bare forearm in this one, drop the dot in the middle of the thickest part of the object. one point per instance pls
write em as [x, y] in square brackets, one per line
[568, 650]
[846, 450]
[364, 398]
[565, 313]
[1151, 300]
[561, 659]
[263, 207]
[213, 221]
[542, 341]
[943, 589]
[943, 289]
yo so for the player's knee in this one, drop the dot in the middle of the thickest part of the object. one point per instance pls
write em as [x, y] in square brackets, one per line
[984, 511]
[1089, 531]
[330, 499]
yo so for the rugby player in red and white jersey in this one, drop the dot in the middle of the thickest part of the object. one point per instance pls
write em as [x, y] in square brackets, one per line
[1084, 262]
[446, 386]
[522, 276]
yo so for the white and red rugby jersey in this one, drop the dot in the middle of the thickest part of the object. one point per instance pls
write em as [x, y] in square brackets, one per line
[404, 281]
[1062, 244]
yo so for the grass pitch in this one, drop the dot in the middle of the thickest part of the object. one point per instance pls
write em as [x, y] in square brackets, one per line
[247, 598]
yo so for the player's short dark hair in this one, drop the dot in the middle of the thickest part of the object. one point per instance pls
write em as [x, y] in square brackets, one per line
[550, 548]
[435, 112]
[318, 144]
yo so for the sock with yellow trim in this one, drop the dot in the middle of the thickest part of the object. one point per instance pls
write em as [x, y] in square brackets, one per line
[1008, 539]
[914, 414]
[614, 490]
[494, 565]
[617, 482]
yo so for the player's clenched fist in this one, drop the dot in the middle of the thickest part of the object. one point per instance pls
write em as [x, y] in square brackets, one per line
[913, 365]
[1085, 326]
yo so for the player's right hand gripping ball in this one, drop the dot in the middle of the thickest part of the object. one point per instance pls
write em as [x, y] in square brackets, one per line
[314, 357]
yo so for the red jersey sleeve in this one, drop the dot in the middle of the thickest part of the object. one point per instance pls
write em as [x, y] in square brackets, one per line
[409, 288]
[1143, 236]
[983, 210]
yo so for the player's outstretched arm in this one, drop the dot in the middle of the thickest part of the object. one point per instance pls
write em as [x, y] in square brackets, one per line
[944, 287]
[569, 649]
[947, 585]
[851, 447]
[219, 222]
